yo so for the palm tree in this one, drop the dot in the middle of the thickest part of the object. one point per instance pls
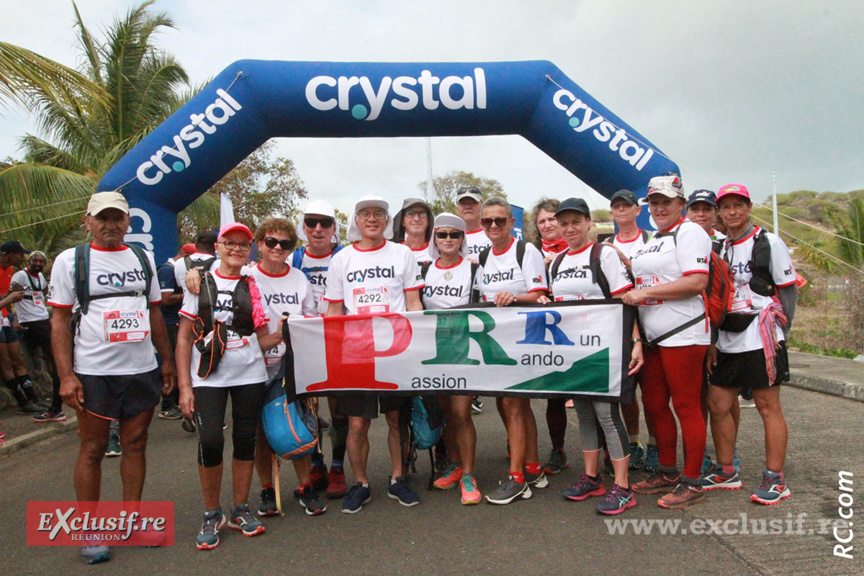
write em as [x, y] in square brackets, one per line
[130, 88]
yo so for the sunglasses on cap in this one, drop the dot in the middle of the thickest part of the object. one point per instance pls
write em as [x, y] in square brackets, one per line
[487, 222]
[313, 222]
[271, 243]
[455, 235]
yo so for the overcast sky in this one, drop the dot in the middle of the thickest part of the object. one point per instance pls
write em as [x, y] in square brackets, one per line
[730, 90]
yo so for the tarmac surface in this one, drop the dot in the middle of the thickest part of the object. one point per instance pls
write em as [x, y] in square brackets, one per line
[726, 534]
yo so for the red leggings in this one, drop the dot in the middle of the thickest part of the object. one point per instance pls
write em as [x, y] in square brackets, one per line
[676, 373]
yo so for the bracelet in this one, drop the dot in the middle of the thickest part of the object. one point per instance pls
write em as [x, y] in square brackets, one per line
[636, 340]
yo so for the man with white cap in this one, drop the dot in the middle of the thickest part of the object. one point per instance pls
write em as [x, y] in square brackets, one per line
[468, 207]
[320, 230]
[373, 276]
[113, 374]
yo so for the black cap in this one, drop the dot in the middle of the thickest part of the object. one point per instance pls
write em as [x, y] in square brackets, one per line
[13, 247]
[577, 204]
[206, 237]
[706, 196]
[626, 195]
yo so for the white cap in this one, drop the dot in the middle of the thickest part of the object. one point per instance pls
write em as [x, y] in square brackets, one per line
[669, 186]
[447, 220]
[104, 200]
[369, 201]
[319, 208]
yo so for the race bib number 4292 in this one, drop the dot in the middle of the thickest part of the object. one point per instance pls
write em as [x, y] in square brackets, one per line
[125, 326]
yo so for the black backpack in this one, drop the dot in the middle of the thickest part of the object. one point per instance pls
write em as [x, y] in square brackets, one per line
[242, 322]
[597, 275]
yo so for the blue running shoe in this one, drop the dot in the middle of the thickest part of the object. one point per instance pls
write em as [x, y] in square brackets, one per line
[772, 490]
[707, 463]
[243, 520]
[399, 490]
[637, 455]
[617, 500]
[208, 537]
[585, 488]
[714, 479]
[652, 459]
[357, 496]
[736, 463]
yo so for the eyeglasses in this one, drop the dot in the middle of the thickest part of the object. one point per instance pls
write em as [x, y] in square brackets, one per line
[376, 214]
[313, 222]
[231, 245]
[455, 235]
[412, 213]
[271, 242]
[487, 222]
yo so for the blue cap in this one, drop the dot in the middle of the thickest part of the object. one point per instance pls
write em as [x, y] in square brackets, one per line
[706, 196]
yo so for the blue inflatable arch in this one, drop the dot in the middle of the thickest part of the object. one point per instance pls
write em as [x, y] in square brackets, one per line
[252, 101]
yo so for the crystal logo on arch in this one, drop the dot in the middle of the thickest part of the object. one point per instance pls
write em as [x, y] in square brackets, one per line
[402, 93]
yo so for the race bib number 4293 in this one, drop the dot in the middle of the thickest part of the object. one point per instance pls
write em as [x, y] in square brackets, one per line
[125, 326]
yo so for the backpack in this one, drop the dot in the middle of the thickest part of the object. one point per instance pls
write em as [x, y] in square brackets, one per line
[761, 282]
[200, 265]
[297, 256]
[427, 422]
[474, 296]
[81, 281]
[597, 275]
[242, 322]
[717, 296]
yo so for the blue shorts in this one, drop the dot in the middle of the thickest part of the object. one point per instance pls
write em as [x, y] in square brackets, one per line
[121, 397]
[8, 335]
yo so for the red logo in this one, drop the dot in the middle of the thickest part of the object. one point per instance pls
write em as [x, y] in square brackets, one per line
[100, 523]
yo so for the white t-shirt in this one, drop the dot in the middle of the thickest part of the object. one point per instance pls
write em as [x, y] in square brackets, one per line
[373, 281]
[629, 247]
[315, 268]
[114, 335]
[243, 362]
[32, 308]
[289, 292]
[451, 286]
[660, 261]
[477, 241]
[738, 254]
[573, 279]
[503, 274]
[180, 268]
[421, 254]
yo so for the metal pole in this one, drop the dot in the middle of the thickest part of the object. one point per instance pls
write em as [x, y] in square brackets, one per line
[774, 201]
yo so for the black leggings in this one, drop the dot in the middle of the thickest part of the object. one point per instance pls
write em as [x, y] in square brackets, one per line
[246, 404]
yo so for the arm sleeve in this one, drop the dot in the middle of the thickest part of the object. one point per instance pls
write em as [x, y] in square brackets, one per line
[614, 270]
[693, 249]
[782, 269]
[412, 279]
[788, 299]
[335, 289]
[62, 291]
[189, 309]
[534, 270]
[155, 295]
[308, 305]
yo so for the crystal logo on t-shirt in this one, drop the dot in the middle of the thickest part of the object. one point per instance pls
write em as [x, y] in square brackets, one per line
[370, 274]
[120, 278]
[449, 291]
[571, 273]
[281, 298]
[498, 277]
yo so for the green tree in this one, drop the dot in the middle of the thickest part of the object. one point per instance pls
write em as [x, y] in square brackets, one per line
[261, 186]
[85, 129]
[443, 198]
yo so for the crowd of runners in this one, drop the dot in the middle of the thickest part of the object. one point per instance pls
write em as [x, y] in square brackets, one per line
[208, 326]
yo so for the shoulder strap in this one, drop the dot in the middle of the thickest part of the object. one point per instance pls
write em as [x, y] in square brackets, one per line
[474, 298]
[82, 276]
[520, 251]
[484, 255]
[297, 258]
[242, 323]
[556, 264]
[337, 248]
[645, 236]
[206, 301]
[424, 268]
[597, 274]
[145, 265]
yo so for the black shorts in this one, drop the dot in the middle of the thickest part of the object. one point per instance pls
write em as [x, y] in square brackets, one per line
[37, 333]
[8, 335]
[368, 405]
[747, 369]
[121, 397]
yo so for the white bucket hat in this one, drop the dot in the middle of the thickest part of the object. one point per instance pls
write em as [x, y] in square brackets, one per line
[447, 220]
[370, 201]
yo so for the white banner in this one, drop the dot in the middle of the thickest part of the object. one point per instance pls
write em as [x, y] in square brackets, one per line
[570, 348]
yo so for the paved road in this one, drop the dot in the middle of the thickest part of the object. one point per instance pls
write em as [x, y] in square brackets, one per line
[545, 535]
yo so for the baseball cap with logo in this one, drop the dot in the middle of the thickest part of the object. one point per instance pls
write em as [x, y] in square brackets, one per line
[733, 189]
[706, 196]
[469, 192]
[626, 195]
[668, 185]
[103, 200]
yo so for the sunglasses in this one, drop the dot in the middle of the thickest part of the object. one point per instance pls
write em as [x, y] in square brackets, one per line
[313, 222]
[487, 222]
[455, 235]
[271, 242]
[231, 245]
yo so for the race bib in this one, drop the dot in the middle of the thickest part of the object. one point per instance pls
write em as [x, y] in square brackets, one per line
[235, 341]
[568, 298]
[274, 356]
[125, 326]
[742, 301]
[643, 282]
[38, 299]
[372, 300]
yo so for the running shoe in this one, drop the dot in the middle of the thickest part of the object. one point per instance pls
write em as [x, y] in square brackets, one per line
[736, 462]
[442, 463]
[707, 463]
[508, 491]
[772, 490]
[637, 455]
[538, 480]
[470, 493]
[617, 500]
[95, 554]
[476, 405]
[173, 413]
[243, 520]
[557, 462]
[336, 487]
[319, 476]
[449, 478]
[49, 416]
[585, 488]
[188, 425]
[357, 496]
[652, 459]
[715, 479]
[208, 537]
[685, 494]
[657, 483]
[114, 448]
[399, 490]
[309, 500]
[267, 502]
